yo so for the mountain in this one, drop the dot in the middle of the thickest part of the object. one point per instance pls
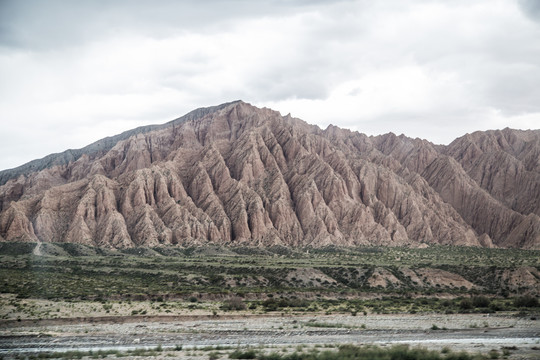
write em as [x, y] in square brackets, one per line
[236, 174]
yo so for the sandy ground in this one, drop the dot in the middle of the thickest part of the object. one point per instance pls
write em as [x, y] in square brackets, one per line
[197, 334]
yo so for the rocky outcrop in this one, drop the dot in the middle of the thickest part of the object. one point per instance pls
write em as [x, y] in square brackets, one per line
[236, 174]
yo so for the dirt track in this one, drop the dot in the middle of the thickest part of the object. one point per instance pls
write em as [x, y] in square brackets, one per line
[472, 332]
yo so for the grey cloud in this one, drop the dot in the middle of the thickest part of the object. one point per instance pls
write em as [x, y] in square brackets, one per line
[286, 86]
[439, 128]
[48, 24]
[531, 8]
[515, 90]
[490, 58]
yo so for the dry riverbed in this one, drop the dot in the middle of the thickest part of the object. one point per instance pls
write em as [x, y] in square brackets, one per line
[197, 335]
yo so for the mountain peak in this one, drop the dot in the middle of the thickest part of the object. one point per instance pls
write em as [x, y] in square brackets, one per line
[103, 145]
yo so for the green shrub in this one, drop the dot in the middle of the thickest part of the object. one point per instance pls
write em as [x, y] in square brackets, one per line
[526, 301]
[270, 304]
[239, 354]
[234, 303]
[271, 356]
[466, 304]
[480, 301]
[446, 303]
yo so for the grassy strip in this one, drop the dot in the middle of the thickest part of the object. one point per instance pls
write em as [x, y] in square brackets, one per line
[343, 352]
[76, 354]
[297, 257]
[352, 352]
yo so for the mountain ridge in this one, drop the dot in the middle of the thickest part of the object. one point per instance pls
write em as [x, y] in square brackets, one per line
[98, 146]
[236, 174]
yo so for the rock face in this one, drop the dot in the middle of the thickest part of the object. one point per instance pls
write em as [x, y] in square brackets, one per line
[236, 174]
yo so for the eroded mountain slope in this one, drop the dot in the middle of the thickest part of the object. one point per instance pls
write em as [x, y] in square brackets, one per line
[236, 174]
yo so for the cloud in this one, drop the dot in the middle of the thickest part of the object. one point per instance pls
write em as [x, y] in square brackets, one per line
[54, 24]
[531, 8]
[78, 71]
[435, 70]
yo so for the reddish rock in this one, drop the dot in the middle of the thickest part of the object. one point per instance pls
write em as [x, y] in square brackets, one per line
[236, 174]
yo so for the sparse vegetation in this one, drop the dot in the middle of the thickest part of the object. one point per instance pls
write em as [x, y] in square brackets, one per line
[299, 352]
[273, 279]
[368, 352]
[329, 325]
[243, 354]
[100, 354]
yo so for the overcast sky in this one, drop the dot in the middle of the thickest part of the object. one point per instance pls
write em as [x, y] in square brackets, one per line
[73, 72]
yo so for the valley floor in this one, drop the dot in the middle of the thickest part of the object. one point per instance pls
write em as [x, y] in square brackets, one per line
[198, 336]
[70, 301]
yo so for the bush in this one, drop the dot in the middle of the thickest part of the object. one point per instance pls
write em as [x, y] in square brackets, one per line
[234, 303]
[296, 303]
[526, 301]
[446, 303]
[238, 354]
[466, 304]
[270, 304]
[272, 356]
[480, 302]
